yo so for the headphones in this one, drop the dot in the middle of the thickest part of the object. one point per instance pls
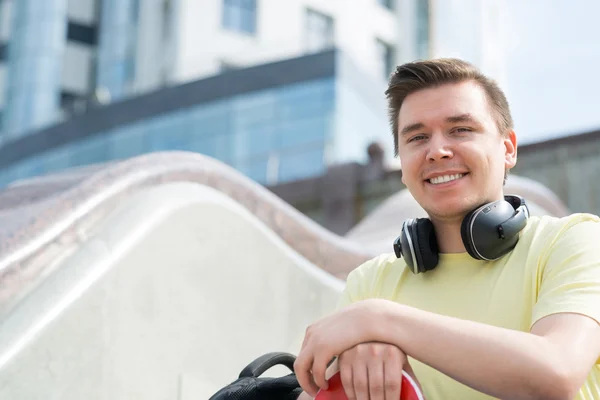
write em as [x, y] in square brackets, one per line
[488, 232]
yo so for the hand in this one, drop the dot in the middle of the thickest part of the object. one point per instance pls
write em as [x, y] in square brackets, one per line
[373, 371]
[330, 336]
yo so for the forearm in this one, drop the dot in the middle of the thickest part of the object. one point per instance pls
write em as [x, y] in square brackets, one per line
[499, 362]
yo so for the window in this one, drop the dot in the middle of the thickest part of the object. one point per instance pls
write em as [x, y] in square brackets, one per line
[72, 103]
[240, 15]
[387, 3]
[319, 31]
[385, 54]
[82, 33]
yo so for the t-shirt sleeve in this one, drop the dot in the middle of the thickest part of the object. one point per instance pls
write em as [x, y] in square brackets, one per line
[345, 299]
[358, 283]
[352, 290]
[570, 276]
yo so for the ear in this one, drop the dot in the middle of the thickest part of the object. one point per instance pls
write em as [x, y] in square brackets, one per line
[510, 149]
[401, 173]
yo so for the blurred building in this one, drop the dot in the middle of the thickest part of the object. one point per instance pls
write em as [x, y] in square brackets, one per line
[61, 57]
[277, 89]
[275, 122]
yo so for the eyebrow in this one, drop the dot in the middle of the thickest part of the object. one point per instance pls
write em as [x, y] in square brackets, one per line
[411, 128]
[461, 118]
[452, 120]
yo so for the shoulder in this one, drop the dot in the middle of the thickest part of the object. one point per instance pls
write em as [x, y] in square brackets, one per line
[377, 265]
[568, 266]
[549, 229]
[365, 279]
[549, 239]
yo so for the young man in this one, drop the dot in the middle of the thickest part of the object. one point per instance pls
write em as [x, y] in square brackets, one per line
[522, 326]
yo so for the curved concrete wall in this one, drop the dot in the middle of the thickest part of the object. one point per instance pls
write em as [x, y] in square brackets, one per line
[168, 297]
[43, 220]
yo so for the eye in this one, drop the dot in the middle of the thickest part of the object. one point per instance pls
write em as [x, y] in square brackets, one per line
[415, 138]
[462, 130]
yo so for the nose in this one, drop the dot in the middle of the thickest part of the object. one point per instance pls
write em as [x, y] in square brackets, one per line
[439, 148]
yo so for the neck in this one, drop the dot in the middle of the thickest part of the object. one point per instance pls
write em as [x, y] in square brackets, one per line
[447, 230]
[448, 236]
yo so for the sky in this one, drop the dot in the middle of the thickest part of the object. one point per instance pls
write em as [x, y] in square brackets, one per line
[553, 67]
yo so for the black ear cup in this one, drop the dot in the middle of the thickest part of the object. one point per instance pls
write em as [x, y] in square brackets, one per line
[428, 254]
[418, 245]
[404, 246]
[492, 230]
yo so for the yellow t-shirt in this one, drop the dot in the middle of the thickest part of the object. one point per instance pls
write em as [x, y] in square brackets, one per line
[554, 268]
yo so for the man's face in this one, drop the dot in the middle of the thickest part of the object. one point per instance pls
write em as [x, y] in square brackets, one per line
[453, 157]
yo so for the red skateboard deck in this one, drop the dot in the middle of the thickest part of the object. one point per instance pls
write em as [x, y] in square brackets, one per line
[335, 391]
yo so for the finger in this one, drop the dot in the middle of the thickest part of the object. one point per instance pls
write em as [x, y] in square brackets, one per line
[319, 371]
[303, 374]
[376, 379]
[361, 381]
[392, 372]
[306, 338]
[347, 380]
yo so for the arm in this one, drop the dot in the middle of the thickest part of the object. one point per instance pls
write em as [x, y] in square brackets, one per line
[557, 355]
[550, 362]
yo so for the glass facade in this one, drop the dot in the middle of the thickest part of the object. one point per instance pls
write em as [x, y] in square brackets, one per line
[38, 40]
[117, 46]
[272, 135]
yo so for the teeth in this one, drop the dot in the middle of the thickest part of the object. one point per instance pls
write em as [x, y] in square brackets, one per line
[445, 178]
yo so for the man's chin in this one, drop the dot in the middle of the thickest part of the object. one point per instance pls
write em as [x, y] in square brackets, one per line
[446, 216]
[450, 212]
[450, 206]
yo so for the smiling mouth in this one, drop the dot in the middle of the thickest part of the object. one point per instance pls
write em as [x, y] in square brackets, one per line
[445, 178]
